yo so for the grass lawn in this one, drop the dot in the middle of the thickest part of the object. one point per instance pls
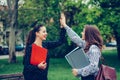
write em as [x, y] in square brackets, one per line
[59, 68]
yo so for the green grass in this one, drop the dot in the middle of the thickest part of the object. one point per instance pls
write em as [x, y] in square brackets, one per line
[6, 68]
[59, 68]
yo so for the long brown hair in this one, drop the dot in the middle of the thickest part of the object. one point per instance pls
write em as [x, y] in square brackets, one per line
[92, 37]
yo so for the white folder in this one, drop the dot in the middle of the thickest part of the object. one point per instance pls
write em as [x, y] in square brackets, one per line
[77, 58]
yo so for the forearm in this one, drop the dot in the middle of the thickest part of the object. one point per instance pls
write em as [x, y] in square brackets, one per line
[74, 37]
[88, 70]
[94, 55]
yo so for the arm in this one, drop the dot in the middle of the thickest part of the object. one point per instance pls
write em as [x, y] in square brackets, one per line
[73, 36]
[60, 41]
[94, 60]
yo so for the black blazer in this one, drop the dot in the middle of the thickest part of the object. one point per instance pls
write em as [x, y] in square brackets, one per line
[32, 72]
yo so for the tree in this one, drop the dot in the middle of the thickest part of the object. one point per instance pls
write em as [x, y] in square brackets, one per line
[78, 14]
[111, 14]
[13, 15]
[81, 13]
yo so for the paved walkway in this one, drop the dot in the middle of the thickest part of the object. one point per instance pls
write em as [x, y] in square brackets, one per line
[7, 56]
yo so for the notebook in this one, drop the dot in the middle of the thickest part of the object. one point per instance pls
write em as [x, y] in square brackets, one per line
[77, 58]
[38, 54]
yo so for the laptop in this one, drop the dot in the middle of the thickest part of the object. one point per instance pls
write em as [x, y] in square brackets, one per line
[77, 58]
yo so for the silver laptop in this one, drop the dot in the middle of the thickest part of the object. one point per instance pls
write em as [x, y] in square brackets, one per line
[77, 58]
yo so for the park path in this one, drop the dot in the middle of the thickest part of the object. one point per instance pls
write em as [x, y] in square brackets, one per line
[7, 56]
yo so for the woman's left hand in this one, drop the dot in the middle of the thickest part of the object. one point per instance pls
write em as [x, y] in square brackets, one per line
[75, 72]
[42, 65]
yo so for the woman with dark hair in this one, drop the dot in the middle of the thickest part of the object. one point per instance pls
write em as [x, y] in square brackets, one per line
[36, 48]
[92, 43]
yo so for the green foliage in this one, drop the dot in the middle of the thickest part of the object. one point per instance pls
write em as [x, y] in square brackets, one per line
[48, 13]
[110, 17]
[78, 14]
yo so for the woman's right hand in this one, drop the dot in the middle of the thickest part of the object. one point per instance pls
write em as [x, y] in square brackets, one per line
[63, 20]
[75, 72]
[42, 65]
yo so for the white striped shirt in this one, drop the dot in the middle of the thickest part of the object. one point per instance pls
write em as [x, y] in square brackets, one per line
[93, 54]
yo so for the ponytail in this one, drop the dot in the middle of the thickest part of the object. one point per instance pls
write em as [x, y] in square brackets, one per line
[31, 38]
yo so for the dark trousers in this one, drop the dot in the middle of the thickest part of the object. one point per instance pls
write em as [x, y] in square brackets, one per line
[90, 77]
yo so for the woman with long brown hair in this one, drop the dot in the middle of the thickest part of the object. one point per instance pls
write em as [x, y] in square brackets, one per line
[91, 42]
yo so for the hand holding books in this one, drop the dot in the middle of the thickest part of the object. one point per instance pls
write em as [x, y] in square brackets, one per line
[77, 59]
[75, 72]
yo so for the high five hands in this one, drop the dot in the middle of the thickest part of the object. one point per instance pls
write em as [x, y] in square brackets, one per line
[63, 20]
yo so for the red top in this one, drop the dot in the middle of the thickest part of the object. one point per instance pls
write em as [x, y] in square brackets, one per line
[38, 54]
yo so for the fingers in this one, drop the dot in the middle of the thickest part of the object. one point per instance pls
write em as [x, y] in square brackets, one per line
[62, 20]
[42, 65]
[42, 62]
[62, 15]
[74, 71]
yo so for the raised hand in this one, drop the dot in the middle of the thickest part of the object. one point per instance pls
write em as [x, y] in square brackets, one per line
[63, 20]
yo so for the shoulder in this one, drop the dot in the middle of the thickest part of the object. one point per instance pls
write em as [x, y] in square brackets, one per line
[94, 48]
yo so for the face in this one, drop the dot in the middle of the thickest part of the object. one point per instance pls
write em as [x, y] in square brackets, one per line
[42, 34]
[83, 34]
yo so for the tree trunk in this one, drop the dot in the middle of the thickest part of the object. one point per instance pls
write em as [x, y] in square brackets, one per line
[13, 14]
[12, 56]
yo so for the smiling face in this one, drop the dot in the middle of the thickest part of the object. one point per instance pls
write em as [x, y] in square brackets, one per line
[42, 33]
